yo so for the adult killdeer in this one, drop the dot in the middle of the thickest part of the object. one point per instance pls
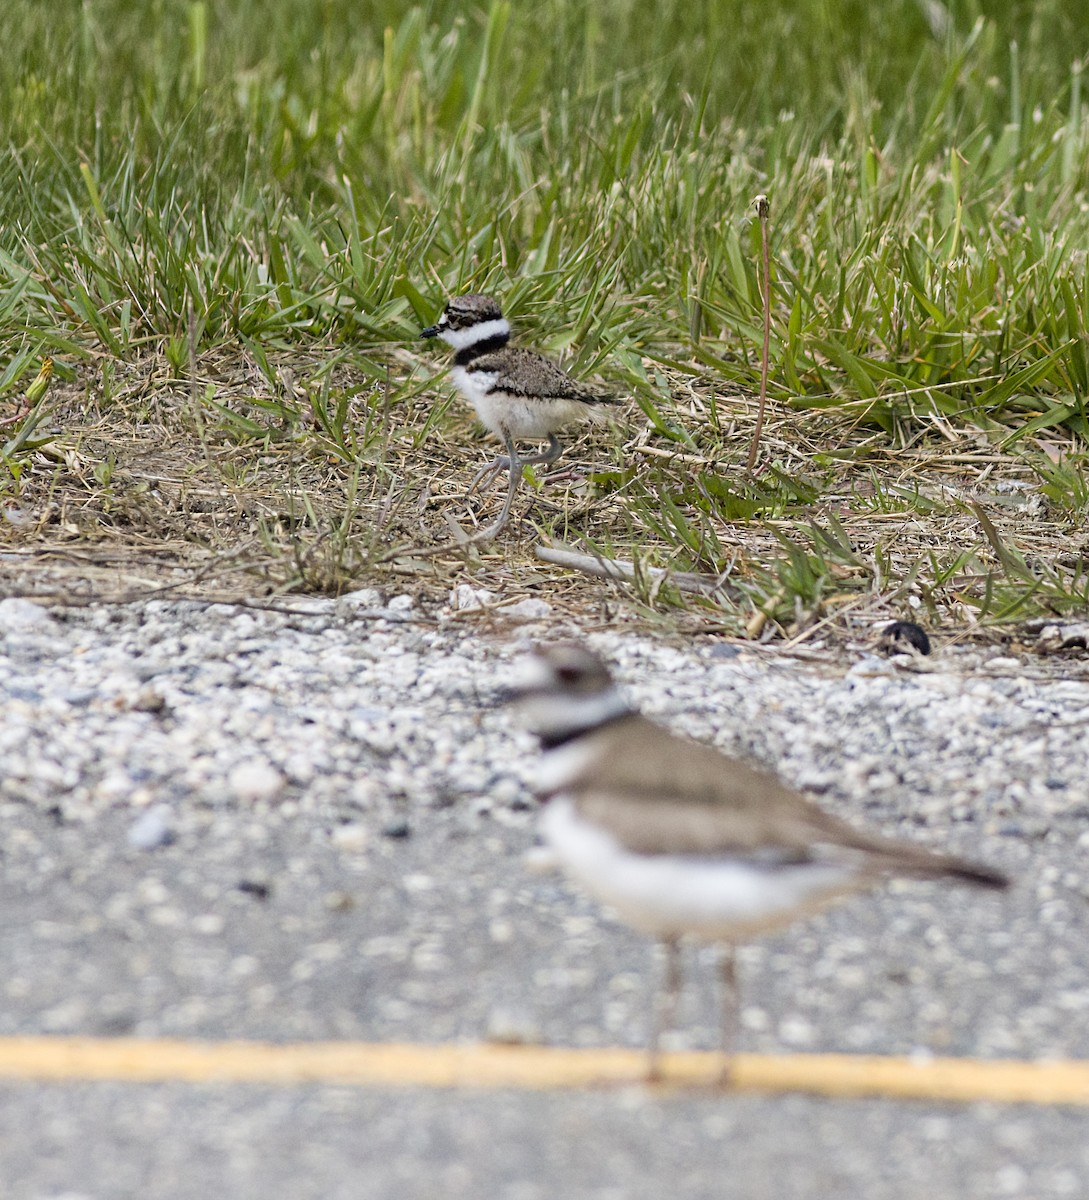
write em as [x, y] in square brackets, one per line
[517, 393]
[680, 839]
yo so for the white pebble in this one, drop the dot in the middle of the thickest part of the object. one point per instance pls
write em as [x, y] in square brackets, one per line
[352, 837]
[529, 609]
[17, 613]
[254, 781]
[510, 1028]
[363, 598]
[464, 598]
[151, 829]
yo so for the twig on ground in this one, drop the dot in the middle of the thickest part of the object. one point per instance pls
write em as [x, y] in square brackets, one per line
[612, 568]
[15, 418]
[763, 209]
[697, 460]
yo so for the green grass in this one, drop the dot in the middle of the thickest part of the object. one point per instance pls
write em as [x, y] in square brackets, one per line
[299, 183]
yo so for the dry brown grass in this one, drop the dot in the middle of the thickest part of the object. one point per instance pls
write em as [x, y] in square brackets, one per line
[156, 485]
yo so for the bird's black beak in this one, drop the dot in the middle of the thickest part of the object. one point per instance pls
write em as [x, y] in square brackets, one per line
[430, 331]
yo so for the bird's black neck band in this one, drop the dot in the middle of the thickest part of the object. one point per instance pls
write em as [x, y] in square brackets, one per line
[487, 346]
[556, 738]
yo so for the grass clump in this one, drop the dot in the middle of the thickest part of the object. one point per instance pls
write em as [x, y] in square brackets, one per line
[227, 221]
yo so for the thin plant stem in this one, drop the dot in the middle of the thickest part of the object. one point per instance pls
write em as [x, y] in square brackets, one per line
[763, 208]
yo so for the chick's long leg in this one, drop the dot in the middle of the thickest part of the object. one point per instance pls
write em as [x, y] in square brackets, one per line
[502, 463]
[555, 449]
[516, 466]
[487, 472]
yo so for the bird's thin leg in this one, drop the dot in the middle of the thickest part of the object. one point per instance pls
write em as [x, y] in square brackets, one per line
[502, 463]
[731, 1011]
[555, 449]
[664, 1011]
[516, 466]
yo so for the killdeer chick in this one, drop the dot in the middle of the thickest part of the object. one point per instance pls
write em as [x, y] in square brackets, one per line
[517, 393]
[681, 840]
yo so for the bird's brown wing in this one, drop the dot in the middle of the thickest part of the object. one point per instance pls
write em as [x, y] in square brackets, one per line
[527, 373]
[658, 793]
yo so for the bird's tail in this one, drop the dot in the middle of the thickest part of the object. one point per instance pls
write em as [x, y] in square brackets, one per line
[947, 866]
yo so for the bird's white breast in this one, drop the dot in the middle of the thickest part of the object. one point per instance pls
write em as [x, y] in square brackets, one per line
[474, 386]
[667, 895]
[518, 416]
[561, 765]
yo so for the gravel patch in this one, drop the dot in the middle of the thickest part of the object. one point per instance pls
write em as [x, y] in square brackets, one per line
[224, 821]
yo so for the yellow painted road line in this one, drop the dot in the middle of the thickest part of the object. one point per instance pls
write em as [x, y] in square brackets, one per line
[361, 1064]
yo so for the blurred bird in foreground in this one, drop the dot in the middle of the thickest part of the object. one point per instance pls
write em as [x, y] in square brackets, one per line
[683, 841]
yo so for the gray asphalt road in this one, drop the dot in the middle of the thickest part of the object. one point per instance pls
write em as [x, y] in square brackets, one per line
[249, 1144]
[338, 818]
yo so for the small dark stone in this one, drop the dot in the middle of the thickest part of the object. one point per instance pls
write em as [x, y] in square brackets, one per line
[904, 637]
[116, 1024]
[150, 701]
[398, 828]
[256, 888]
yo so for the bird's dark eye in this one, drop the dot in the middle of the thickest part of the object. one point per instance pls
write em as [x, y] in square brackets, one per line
[569, 674]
